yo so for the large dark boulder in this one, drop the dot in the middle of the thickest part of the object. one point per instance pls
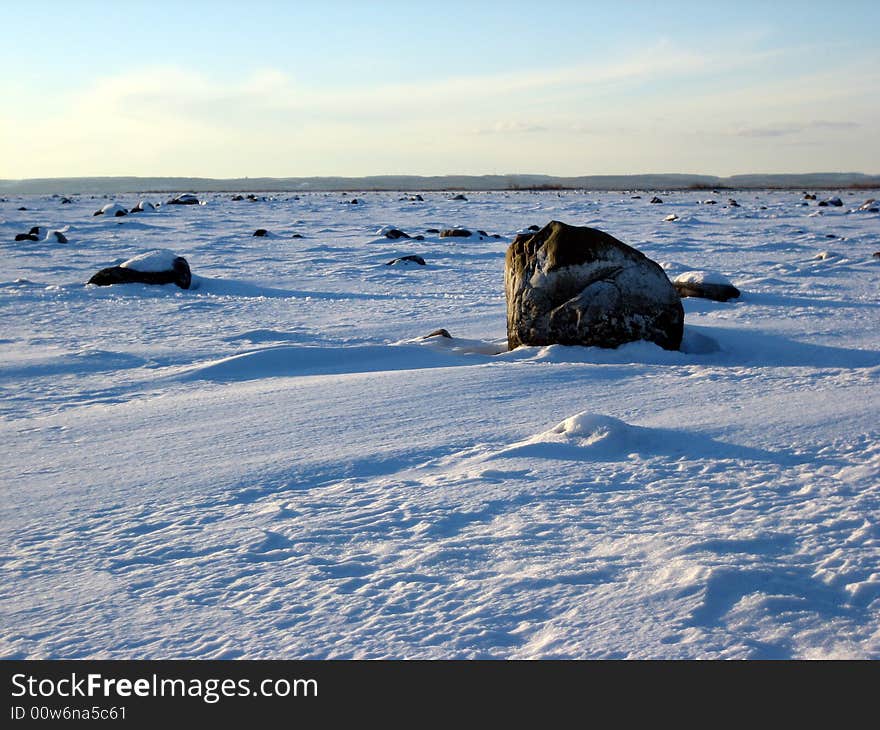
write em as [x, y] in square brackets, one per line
[572, 285]
[154, 267]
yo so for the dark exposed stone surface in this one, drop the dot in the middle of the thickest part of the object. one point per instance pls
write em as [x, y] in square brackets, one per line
[534, 228]
[413, 258]
[573, 285]
[455, 233]
[732, 203]
[706, 290]
[655, 199]
[458, 197]
[396, 233]
[432, 230]
[297, 235]
[438, 333]
[59, 237]
[260, 232]
[26, 237]
[179, 275]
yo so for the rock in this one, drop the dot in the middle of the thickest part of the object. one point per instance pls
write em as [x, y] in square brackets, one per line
[877, 254]
[710, 202]
[184, 199]
[154, 267]
[455, 233]
[655, 199]
[112, 209]
[573, 285]
[22, 208]
[534, 228]
[412, 259]
[836, 202]
[59, 237]
[395, 233]
[458, 197]
[732, 203]
[354, 201]
[260, 232]
[705, 285]
[671, 217]
[297, 235]
[66, 201]
[868, 206]
[26, 237]
[809, 196]
[237, 198]
[432, 230]
[437, 333]
[420, 237]
[34, 231]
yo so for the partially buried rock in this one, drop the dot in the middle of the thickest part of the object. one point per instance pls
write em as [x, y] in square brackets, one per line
[437, 333]
[394, 233]
[732, 203]
[572, 285]
[705, 285]
[455, 233]
[407, 261]
[26, 237]
[59, 237]
[160, 266]
[656, 200]
[184, 199]
[458, 197]
[260, 232]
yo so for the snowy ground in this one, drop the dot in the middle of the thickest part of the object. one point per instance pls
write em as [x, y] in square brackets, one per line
[272, 465]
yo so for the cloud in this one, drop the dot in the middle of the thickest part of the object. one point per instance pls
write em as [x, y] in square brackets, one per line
[783, 130]
[512, 127]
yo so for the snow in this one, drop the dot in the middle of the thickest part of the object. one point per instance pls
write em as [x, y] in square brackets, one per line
[160, 259]
[275, 464]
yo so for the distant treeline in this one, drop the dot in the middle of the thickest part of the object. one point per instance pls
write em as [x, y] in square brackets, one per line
[118, 185]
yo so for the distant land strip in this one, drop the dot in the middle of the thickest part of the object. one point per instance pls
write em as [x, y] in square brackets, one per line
[413, 183]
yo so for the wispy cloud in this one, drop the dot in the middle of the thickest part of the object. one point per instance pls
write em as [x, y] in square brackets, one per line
[783, 130]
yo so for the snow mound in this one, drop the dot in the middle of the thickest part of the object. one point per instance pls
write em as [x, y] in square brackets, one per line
[588, 436]
[299, 361]
[592, 428]
[160, 259]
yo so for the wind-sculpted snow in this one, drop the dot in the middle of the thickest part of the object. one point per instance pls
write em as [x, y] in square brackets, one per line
[277, 463]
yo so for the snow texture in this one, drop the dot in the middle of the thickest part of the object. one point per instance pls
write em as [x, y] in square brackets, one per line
[274, 464]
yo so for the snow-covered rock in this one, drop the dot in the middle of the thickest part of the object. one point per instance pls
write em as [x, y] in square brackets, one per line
[112, 209]
[573, 285]
[705, 285]
[144, 206]
[159, 266]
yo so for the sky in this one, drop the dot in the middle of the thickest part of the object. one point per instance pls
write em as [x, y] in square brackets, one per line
[560, 87]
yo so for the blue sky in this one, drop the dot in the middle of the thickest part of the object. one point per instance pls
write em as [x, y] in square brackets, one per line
[228, 89]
